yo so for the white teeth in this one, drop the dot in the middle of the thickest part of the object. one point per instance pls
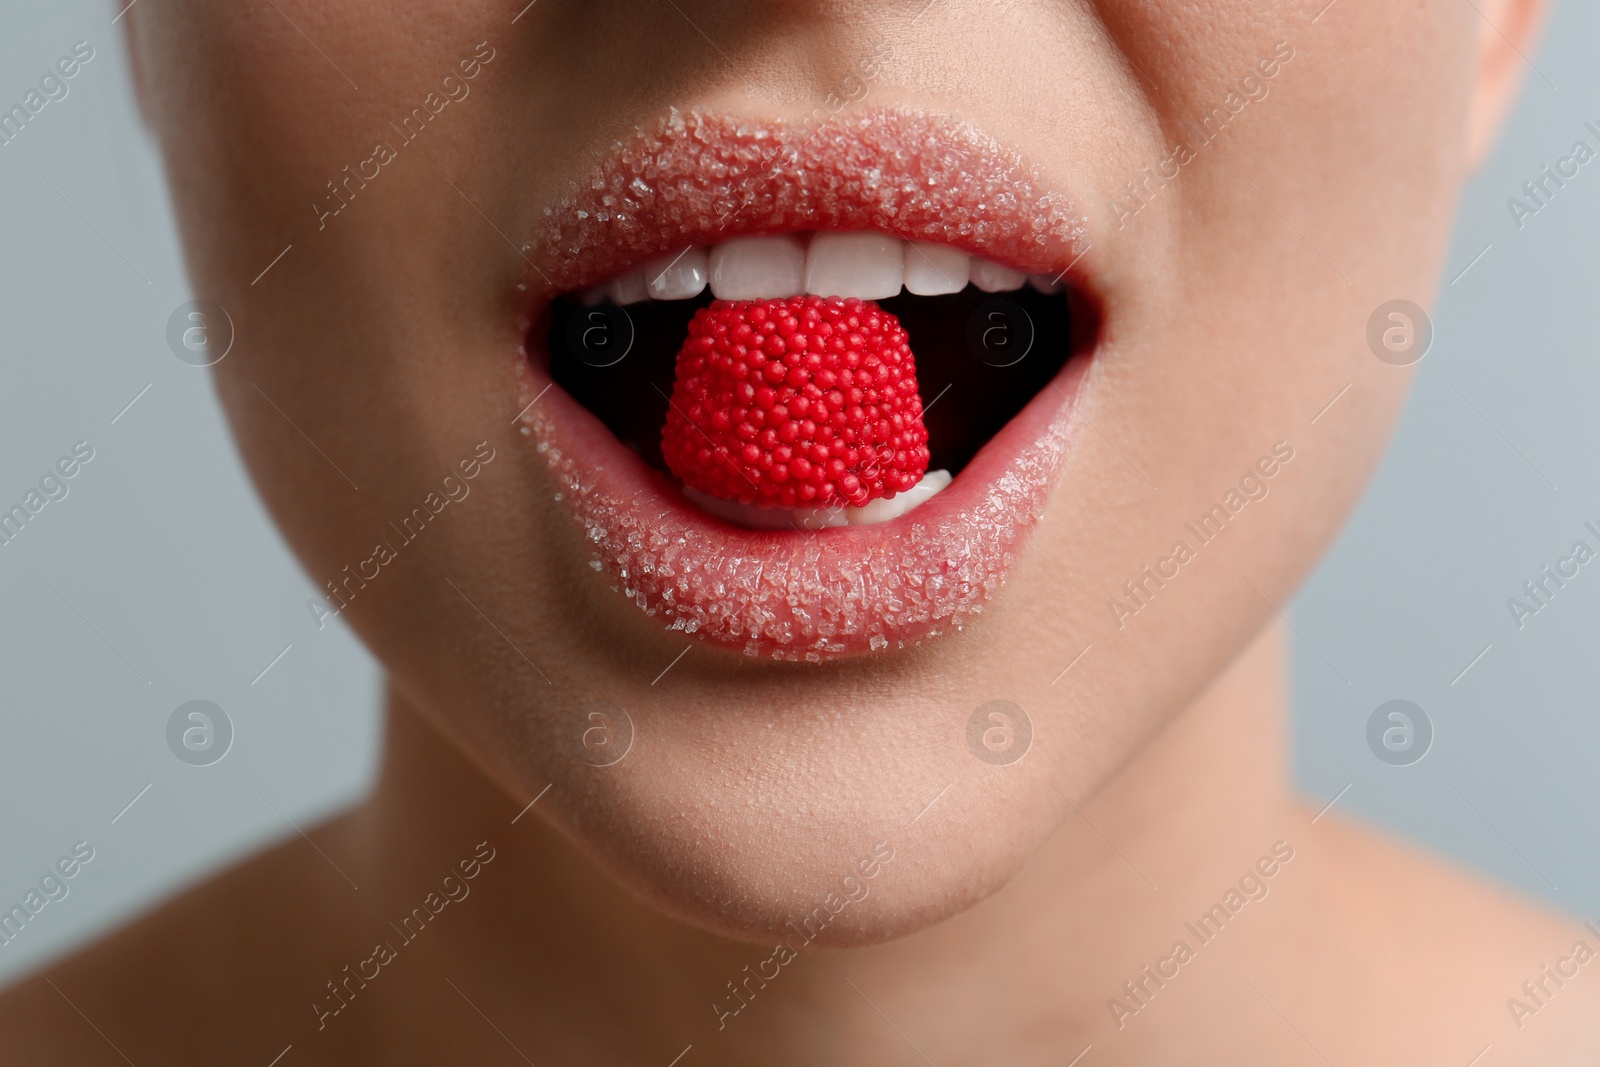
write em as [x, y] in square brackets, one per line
[993, 278]
[865, 265]
[629, 289]
[883, 509]
[758, 268]
[752, 517]
[679, 276]
[933, 270]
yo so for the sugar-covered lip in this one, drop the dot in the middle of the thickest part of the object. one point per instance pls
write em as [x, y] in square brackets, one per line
[699, 178]
[800, 595]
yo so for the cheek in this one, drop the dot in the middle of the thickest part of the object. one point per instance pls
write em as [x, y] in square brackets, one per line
[1247, 285]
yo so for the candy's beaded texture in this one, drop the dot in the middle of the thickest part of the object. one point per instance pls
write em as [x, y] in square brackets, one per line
[804, 402]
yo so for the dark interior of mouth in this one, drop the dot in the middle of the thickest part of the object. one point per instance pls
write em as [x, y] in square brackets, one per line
[980, 358]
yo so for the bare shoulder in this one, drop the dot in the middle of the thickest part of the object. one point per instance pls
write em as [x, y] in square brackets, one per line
[213, 968]
[1448, 955]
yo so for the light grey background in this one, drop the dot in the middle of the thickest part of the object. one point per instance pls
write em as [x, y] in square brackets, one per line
[160, 544]
[159, 579]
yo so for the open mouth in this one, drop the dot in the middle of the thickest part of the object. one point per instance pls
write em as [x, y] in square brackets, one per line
[985, 338]
[808, 386]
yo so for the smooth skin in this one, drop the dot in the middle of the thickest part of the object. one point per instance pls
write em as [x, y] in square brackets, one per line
[1019, 898]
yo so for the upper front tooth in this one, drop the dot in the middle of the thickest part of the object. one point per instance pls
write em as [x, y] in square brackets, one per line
[677, 276]
[993, 278]
[933, 270]
[630, 288]
[758, 268]
[866, 265]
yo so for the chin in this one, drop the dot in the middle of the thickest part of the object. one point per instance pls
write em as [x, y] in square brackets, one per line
[766, 824]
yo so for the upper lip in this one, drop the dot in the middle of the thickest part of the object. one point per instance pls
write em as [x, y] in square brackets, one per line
[698, 178]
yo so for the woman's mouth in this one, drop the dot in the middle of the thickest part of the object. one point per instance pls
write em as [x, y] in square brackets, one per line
[724, 223]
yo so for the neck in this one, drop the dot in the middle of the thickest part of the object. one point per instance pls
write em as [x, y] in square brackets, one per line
[552, 931]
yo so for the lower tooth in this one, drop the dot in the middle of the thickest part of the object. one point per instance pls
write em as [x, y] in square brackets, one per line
[753, 517]
[883, 509]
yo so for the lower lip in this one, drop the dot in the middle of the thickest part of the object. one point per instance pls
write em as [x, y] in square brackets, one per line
[799, 595]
